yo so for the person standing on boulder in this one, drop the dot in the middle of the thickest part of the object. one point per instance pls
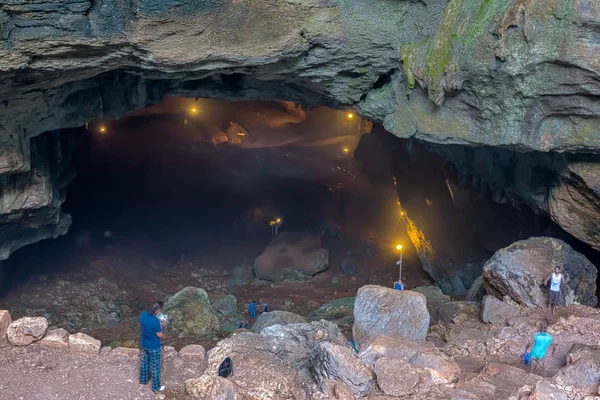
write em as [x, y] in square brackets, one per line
[555, 279]
[151, 331]
[541, 341]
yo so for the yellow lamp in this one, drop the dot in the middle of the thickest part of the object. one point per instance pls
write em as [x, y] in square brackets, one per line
[399, 247]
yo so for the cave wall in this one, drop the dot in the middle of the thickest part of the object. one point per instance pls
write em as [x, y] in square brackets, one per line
[521, 74]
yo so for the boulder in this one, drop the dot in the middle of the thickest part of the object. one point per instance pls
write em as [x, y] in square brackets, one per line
[397, 377]
[265, 368]
[5, 321]
[330, 361]
[125, 353]
[336, 390]
[435, 297]
[438, 367]
[544, 390]
[494, 311]
[349, 266]
[476, 291]
[232, 322]
[225, 305]
[82, 343]
[519, 271]
[582, 370]
[241, 275]
[379, 310]
[308, 335]
[26, 330]
[458, 311]
[57, 338]
[340, 311]
[276, 318]
[191, 313]
[193, 352]
[210, 388]
[291, 256]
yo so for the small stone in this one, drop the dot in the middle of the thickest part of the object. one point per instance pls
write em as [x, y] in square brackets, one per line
[26, 330]
[82, 343]
[193, 352]
[57, 338]
[5, 321]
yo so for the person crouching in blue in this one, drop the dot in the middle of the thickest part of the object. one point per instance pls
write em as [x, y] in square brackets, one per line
[398, 285]
[541, 341]
[151, 332]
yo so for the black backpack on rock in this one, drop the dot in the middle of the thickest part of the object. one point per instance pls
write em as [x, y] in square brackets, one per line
[226, 369]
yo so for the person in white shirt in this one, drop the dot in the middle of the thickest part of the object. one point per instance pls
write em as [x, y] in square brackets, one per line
[556, 279]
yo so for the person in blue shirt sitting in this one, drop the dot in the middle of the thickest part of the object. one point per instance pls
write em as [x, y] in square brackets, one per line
[151, 331]
[398, 285]
[252, 309]
[541, 341]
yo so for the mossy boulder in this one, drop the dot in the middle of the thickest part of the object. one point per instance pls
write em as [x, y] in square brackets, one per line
[191, 313]
[340, 311]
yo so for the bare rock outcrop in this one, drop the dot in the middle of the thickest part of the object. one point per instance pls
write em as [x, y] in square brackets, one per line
[210, 388]
[519, 271]
[398, 378]
[276, 317]
[82, 343]
[334, 362]
[26, 330]
[291, 256]
[495, 311]
[383, 311]
[56, 338]
[191, 313]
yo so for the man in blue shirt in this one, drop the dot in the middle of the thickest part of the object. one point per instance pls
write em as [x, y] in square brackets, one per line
[398, 285]
[151, 331]
[541, 341]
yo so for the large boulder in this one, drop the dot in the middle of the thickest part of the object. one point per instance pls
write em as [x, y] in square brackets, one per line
[210, 388]
[26, 330]
[435, 298]
[191, 313]
[225, 304]
[340, 311]
[57, 338]
[438, 367]
[330, 361]
[476, 291]
[276, 318]
[383, 311]
[582, 370]
[308, 335]
[458, 311]
[397, 377]
[519, 271]
[291, 256]
[494, 311]
[264, 367]
[5, 321]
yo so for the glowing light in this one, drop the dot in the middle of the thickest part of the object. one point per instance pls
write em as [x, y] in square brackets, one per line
[346, 150]
[102, 129]
[399, 247]
[194, 110]
[241, 134]
[402, 213]
[350, 115]
[278, 220]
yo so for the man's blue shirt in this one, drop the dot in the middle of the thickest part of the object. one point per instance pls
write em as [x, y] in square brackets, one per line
[149, 325]
[398, 286]
[541, 342]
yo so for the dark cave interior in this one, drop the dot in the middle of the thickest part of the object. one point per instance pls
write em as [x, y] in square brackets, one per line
[180, 193]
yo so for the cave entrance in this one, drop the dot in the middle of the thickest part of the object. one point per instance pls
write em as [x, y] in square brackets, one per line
[182, 193]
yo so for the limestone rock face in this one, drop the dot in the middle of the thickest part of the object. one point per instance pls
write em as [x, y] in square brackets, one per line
[340, 311]
[457, 311]
[397, 377]
[383, 311]
[26, 330]
[435, 297]
[519, 271]
[582, 370]
[82, 343]
[191, 312]
[330, 361]
[5, 321]
[241, 275]
[271, 318]
[291, 256]
[476, 291]
[84, 61]
[210, 388]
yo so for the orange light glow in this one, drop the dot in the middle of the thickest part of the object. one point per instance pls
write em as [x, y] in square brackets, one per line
[194, 110]
[102, 129]
[399, 247]
[346, 150]
[350, 115]
[241, 134]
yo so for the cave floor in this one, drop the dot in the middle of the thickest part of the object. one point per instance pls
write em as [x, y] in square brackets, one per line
[92, 287]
